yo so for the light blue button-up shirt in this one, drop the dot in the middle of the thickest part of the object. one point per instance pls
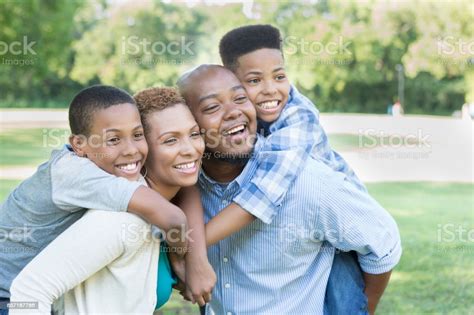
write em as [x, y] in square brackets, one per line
[283, 267]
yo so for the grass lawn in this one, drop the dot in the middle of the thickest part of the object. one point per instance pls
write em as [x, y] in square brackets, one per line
[435, 274]
[29, 147]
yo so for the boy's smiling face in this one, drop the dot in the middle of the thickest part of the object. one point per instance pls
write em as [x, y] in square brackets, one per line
[116, 141]
[262, 72]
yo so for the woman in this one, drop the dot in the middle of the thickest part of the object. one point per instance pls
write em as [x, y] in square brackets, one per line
[107, 262]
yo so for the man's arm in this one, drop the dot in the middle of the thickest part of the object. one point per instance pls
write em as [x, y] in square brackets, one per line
[374, 287]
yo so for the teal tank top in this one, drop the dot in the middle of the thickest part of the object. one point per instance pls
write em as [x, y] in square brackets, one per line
[165, 278]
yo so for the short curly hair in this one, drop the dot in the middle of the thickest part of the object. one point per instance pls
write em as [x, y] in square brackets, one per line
[155, 99]
[246, 39]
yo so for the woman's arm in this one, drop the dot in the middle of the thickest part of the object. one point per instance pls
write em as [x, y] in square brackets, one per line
[199, 275]
[84, 248]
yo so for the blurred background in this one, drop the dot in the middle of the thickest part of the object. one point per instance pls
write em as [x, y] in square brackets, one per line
[394, 81]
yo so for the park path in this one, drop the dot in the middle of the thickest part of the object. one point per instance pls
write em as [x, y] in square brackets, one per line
[443, 151]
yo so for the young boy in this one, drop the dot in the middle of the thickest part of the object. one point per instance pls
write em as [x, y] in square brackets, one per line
[99, 170]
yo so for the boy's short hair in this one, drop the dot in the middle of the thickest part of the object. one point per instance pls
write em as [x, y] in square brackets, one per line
[155, 99]
[90, 100]
[246, 39]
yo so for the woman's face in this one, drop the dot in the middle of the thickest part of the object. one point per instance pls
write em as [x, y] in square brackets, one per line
[175, 146]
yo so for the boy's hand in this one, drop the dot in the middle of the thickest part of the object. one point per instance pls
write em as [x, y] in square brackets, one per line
[200, 279]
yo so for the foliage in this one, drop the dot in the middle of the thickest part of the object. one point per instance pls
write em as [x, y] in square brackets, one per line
[342, 54]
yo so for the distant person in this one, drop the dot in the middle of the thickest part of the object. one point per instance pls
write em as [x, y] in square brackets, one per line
[467, 111]
[389, 109]
[397, 109]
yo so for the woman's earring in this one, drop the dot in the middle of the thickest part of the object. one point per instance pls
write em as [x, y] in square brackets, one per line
[146, 171]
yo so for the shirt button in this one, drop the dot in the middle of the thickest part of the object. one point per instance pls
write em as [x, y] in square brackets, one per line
[227, 285]
[225, 259]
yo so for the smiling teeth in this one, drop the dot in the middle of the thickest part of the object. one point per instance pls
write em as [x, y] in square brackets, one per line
[185, 165]
[128, 167]
[235, 129]
[268, 105]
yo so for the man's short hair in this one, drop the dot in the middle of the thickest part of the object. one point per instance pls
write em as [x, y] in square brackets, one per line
[90, 100]
[155, 99]
[246, 39]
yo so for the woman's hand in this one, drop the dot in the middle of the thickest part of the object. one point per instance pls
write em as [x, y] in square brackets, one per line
[200, 278]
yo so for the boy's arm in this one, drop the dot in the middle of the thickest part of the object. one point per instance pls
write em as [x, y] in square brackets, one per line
[77, 183]
[156, 210]
[374, 287]
[229, 220]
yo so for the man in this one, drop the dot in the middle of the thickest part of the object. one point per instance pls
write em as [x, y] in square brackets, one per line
[283, 266]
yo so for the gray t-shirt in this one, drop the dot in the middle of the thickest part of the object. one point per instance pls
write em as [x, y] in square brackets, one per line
[47, 203]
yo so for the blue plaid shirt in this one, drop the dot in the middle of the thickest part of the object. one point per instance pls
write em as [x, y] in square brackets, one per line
[283, 267]
[292, 139]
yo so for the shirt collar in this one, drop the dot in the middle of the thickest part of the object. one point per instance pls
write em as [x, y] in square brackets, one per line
[292, 93]
[244, 177]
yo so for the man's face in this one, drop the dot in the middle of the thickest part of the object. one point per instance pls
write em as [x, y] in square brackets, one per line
[222, 109]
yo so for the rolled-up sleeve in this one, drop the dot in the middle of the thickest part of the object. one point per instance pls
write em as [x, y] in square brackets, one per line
[351, 219]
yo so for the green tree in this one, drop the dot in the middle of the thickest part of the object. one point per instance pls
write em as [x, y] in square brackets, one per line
[45, 30]
[138, 45]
